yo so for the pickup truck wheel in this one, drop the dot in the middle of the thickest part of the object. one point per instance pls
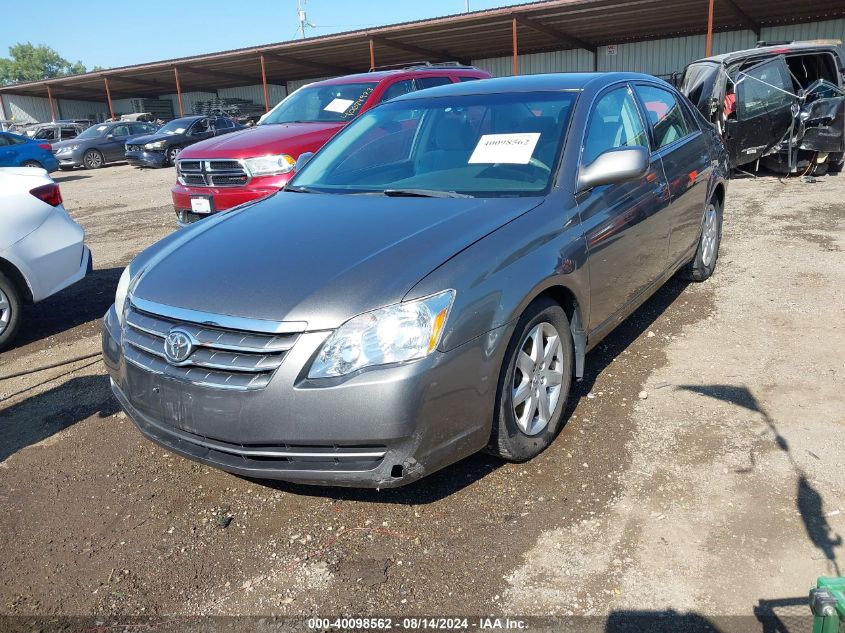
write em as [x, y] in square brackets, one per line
[707, 254]
[533, 384]
[10, 311]
[172, 153]
[92, 159]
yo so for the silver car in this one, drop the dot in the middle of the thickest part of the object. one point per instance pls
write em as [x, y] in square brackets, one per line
[428, 284]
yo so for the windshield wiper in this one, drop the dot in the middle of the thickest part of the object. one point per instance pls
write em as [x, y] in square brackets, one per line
[424, 193]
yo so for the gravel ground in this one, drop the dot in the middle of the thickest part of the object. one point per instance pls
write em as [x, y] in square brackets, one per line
[700, 472]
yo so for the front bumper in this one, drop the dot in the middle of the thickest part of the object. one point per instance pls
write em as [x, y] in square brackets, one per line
[147, 158]
[225, 198]
[380, 428]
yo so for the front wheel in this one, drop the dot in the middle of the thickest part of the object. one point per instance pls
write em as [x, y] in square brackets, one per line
[10, 311]
[92, 159]
[32, 163]
[533, 384]
[703, 263]
[172, 153]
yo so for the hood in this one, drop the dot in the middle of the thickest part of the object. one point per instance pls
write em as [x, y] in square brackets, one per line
[155, 136]
[278, 138]
[318, 258]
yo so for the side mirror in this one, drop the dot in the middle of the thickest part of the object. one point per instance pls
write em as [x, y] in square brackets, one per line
[302, 160]
[613, 167]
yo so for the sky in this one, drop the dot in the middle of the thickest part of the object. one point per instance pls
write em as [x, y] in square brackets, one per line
[120, 33]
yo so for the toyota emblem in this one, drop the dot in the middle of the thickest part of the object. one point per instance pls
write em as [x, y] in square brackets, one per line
[178, 346]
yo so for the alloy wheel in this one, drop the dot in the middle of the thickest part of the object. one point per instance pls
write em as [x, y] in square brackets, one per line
[172, 154]
[709, 235]
[537, 379]
[93, 160]
[5, 311]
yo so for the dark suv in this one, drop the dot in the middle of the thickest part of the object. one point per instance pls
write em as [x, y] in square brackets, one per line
[161, 148]
[782, 103]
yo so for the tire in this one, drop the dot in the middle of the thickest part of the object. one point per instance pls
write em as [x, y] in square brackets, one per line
[707, 254]
[835, 163]
[519, 431]
[65, 167]
[10, 311]
[32, 163]
[92, 159]
[172, 153]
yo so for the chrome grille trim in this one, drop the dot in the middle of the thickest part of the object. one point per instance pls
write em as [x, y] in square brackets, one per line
[222, 358]
[214, 172]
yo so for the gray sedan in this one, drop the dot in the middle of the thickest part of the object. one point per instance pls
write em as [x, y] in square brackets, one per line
[99, 144]
[427, 286]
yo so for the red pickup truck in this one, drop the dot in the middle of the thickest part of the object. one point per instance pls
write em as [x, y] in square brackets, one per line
[225, 171]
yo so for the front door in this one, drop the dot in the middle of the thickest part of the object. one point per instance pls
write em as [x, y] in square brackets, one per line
[114, 148]
[626, 233]
[763, 113]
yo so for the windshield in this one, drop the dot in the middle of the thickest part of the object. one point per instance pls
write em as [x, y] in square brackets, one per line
[336, 102]
[94, 131]
[698, 83]
[176, 126]
[479, 145]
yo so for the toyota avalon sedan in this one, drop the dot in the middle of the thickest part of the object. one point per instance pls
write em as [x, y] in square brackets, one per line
[426, 286]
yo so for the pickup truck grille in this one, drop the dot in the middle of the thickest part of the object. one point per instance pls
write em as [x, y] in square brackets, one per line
[211, 173]
[221, 359]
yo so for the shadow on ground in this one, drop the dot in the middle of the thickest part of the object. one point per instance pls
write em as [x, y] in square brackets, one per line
[44, 415]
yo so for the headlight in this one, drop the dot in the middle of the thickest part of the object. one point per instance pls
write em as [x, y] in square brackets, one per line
[402, 332]
[270, 165]
[156, 145]
[121, 293]
[67, 149]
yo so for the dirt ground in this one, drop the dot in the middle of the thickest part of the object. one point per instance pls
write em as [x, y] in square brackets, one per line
[700, 472]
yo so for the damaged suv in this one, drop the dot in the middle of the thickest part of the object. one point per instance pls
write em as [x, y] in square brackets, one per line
[781, 105]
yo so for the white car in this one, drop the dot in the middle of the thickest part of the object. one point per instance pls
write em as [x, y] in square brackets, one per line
[41, 247]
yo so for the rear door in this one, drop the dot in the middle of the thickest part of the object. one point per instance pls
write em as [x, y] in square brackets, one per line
[680, 146]
[626, 230]
[764, 100]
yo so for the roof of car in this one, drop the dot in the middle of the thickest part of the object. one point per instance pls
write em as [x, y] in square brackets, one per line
[375, 76]
[528, 83]
[775, 49]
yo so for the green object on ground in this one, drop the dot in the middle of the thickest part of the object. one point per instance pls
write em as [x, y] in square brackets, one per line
[827, 602]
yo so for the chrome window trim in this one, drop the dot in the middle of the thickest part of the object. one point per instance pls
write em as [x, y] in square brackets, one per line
[225, 321]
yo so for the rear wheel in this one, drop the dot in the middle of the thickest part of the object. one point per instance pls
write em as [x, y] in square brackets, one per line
[10, 311]
[533, 384]
[707, 254]
[32, 163]
[92, 159]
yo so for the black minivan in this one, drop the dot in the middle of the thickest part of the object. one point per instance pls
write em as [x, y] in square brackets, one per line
[781, 104]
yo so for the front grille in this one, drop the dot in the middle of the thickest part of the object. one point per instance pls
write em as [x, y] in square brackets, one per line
[212, 173]
[222, 359]
[134, 148]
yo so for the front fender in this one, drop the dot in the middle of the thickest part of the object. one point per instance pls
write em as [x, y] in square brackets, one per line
[497, 277]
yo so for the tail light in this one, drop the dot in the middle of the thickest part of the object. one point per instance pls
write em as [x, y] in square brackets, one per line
[45, 146]
[49, 194]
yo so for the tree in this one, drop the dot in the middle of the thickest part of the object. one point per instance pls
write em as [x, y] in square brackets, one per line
[27, 62]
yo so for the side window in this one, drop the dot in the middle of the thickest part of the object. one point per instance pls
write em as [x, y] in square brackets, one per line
[763, 88]
[468, 78]
[665, 115]
[4, 141]
[69, 132]
[46, 134]
[614, 122]
[398, 89]
[119, 131]
[200, 127]
[222, 124]
[431, 82]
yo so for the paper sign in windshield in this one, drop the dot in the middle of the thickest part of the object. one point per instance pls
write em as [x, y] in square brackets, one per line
[505, 148]
[338, 105]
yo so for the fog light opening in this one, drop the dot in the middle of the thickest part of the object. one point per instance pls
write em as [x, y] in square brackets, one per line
[396, 471]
